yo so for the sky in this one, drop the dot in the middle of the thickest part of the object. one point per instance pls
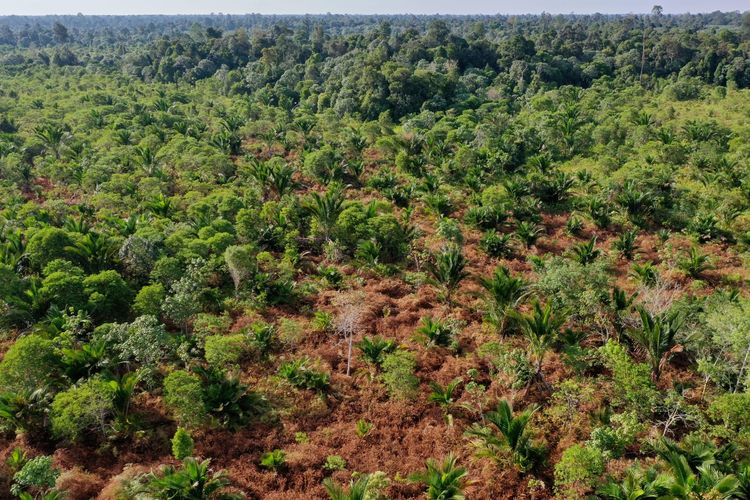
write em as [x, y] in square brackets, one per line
[40, 7]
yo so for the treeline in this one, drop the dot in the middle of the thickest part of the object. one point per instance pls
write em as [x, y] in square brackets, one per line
[402, 64]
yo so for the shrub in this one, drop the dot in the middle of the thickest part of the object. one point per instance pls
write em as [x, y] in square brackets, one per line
[182, 444]
[334, 462]
[31, 362]
[48, 244]
[732, 412]
[183, 395]
[145, 341]
[149, 299]
[273, 460]
[578, 469]
[612, 439]
[398, 375]
[108, 295]
[225, 351]
[496, 244]
[83, 409]
[633, 387]
[37, 475]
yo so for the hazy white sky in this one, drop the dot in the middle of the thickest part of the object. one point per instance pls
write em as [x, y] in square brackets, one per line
[37, 7]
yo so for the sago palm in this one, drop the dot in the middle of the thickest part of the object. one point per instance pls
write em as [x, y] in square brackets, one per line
[325, 209]
[444, 396]
[541, 328]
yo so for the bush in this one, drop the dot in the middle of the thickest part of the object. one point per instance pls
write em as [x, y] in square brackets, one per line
[273, 460]
[575, 288]
[182, 444]
[149, 299]
[83, 409]
[32, 362]
[108, 295]
[37, 475]
[632, 382]
[302, 375]
[496, 244]
[578, 469]
[48, 244]
[334, 462]
[183, 395]
[732, 412]
[612, 439]
[398, 375]
[145, 341]
[225, 351]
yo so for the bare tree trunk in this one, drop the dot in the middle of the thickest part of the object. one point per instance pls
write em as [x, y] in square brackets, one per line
[742, 369]
[349, 355]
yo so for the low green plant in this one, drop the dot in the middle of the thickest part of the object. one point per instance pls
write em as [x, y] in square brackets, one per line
[578, 470]
[444, 480]
[273, 460]
[363, 428]
[37, 475]
[436, 333]
[301, 374]
[182, 444]
[398, 375]
[334, 462]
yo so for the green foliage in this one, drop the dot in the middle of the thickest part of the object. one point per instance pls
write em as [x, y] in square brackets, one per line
[506, 438]
[225, 351]
[632, 382]
[574, 288]
[183, 395]
[444, 480]
[363, 428]
[301, 374]
[148, 300]
[447, 269]
[182, 444]
[374, 349]
[398, 374]
[273, 460]
[656, 337]
[192, 480]
[83, 410]
[334, 462]
[502, 294]
[436, 333]
[30, 363]
[47, 245]
[37, 475]
[580, 466]
[496, 244]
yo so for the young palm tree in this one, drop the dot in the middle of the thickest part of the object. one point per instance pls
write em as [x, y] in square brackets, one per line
[586, 253]
[374, 349]
[444, 396]
[358, 490]
[656, 337]
[528, 233]
[502, 294]
[637, 485]
[447, 270]
[646, 273]
[507, 437]
[193, 481]
[625, 244]
[326, 209]
[541, 328]
[52, 136]
[435, 332]
[695, 263]
[444, 481]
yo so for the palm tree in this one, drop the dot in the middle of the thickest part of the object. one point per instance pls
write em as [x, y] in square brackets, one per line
[502, 294]
[637, 485]
[193, 481]
[528, 233]
[444, 481]
[358, 490]
[326, 209]
[374, 349]
[52, 136]
[444, 396]
[541, 329]
[507, 437]
[435, 332]
[586, 253]
[625, 243]
[695, 263]
[95, 251]
[656, 337]
[447, 270]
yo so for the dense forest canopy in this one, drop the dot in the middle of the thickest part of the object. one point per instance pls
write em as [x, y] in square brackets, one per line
[375, 256]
